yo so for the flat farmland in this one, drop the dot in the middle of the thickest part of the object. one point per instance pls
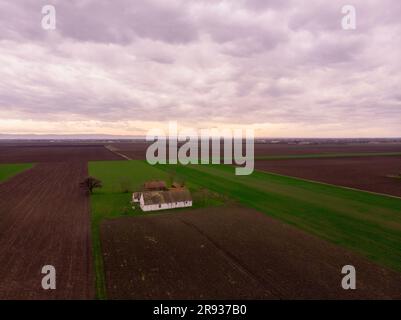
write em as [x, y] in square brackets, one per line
[327, 148]
[363, 222]
[132, 150]
[230, 253]
[366, 224]
[45, 220]
[137, 150]
[365, 173]
[20, 153]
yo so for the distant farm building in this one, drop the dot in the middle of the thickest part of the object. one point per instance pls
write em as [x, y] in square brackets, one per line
[162, 198]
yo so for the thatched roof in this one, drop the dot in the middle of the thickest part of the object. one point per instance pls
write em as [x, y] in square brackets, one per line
[170, 196]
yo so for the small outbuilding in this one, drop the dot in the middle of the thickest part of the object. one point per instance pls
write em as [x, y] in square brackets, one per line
[154, 186]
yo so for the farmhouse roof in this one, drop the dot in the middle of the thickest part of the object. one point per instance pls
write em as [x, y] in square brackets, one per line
[155, 185]
[170, 196]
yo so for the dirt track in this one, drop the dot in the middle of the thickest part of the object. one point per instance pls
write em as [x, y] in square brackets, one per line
[44, 219]
[365, 173]
[230, 253]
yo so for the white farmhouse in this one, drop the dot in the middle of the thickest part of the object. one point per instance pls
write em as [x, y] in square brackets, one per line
[165, 199]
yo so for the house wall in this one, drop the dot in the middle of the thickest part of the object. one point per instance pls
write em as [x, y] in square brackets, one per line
[165, 206]
[141, 202]
[136, 199]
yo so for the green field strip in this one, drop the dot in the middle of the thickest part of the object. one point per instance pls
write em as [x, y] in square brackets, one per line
[7, 171]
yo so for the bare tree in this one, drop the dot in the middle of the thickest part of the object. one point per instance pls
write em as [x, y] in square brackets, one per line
[91, 183]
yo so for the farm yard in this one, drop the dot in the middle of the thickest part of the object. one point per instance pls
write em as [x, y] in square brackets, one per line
[230, 253]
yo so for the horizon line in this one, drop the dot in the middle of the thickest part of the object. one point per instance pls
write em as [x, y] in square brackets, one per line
[87, 136]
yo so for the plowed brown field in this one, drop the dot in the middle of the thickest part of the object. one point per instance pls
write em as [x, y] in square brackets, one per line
[365, 173]
[54, 153]
[224, 253]
[45, 220]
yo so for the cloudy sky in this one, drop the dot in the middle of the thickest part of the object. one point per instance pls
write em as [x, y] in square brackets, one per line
[286, 68]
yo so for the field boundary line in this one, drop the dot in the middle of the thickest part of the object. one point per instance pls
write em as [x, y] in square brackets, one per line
[233, 260]
[112, 149]
[331, 185]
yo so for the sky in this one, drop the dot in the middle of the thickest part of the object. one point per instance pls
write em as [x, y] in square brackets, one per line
[284, 68]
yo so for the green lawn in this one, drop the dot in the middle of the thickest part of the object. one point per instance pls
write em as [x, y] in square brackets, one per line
[9, 170]
[120, 179]
[363, 222]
